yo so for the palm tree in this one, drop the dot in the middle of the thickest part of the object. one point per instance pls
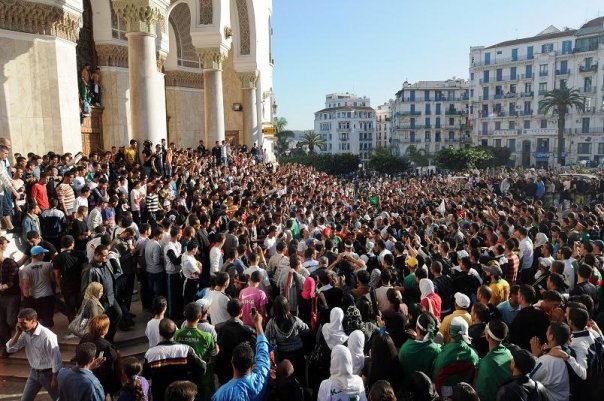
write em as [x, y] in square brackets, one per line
[283, 139]
[559, 101]
[312, 139]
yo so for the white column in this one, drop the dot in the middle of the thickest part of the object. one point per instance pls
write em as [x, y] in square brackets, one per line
[212, 59]
[146, 97]
[250, 109]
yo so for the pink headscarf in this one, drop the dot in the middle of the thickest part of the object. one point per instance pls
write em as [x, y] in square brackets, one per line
[309, 288]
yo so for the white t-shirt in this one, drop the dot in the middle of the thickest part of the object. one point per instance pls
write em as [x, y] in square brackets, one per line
[152, 332]
[264, 281]
[189, 266]
[218, 307]
[329, 392]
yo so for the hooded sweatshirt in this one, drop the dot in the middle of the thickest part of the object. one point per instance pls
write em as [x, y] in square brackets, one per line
[286, 341]
[342, 385]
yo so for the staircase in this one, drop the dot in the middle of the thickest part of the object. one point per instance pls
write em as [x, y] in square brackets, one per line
[129, 343]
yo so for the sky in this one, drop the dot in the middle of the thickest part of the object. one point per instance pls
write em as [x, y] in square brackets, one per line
[371, 47]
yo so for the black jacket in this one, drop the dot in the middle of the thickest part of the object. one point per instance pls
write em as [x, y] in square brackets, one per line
[230, 334]
[522, 388]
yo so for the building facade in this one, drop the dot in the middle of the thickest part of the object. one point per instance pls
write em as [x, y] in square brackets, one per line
[347, 123]
[508, 80]
[185, 71]
[430, 115]
[383, 127]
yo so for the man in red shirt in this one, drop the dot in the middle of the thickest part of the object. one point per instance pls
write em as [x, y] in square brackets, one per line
[38, 192]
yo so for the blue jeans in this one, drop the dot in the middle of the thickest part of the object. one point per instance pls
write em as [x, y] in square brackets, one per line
[35, 382]
[156, 284]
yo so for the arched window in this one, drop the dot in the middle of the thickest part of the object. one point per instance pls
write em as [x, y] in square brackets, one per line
[118, 26]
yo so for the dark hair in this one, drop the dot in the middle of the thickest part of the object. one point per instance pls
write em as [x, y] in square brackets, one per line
[381, 391]
[584, 270]
[181, 390]
[221, 278]
[243, 357]
[256, 277]
[159, 303]
[283, 317]
[481, 311]
[485, 291]
[383, 353]
[525, 361]
[28, 314]
[528, 293]
[234, 307]
[560, 331]
[579, 317]
[363, 276]
[67, 241]
[425, 319]
[85, 353]
[498, 328]
[192, 311]
[167, 328]
[465, 392]
[132, 367]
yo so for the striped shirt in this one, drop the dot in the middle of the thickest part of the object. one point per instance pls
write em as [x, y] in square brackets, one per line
[152, 202]
[66, 197]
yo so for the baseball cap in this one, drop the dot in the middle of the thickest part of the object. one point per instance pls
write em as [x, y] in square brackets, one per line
[493, 268]
[462, 300]
[411, 262]
[37, 250]
[540, 239]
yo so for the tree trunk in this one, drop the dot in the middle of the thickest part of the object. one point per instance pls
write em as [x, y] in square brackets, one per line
[561, 145]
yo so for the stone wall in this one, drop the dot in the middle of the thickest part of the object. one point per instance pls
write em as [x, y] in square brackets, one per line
[231, 88]
[39, 102]
[184, 107]
[116, 100]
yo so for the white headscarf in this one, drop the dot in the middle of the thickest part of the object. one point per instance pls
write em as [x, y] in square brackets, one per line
[426, 287]
[356, 345]
[341, 369]
[333, 332]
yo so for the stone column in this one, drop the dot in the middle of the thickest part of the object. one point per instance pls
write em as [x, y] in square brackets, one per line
[146, 99]
[212, 59]
[250, 110]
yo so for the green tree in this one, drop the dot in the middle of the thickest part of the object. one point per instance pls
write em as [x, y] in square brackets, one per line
[383, 161]
[280, 124]
[417, 156]
[466, 158]
[560, 101]
[334, 164]
[312, 140]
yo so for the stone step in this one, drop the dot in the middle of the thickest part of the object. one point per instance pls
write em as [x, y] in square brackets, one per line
[130, 343]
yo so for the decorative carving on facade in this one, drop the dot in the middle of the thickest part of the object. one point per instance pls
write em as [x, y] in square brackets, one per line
[161, 60]
[212, 58]
[248, 79]
[206, 12]
[39, 19]
[112, 55]
[244, 27]
[184, 79]
[140, 15]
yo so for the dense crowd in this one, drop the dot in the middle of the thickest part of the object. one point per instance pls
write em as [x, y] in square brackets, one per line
[283, 283]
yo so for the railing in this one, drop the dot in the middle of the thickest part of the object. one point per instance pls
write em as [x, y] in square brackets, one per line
[341, 129]
[527, 94]
[563, 72]
[500, 60]
[454, 112]
[588, 68]
[484, 81]
[591, 130]
[408, 113]
[543, 73]
[542, 92]
[499, 96]
[526, 113]
[591, 89]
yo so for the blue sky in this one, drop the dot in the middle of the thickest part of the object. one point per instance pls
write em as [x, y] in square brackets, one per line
[371, 47]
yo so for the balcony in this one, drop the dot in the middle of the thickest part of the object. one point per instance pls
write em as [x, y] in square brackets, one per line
[588, 68]
[484, 81]
[578, 131]
[543, 73]
[498, 96]
[500, 60]
[416, 140]
[526, 113]
[542, 92]
[589, 89]
[454, 112]
[344, 129]
[408, 113]
[563, 72]
[527, 94]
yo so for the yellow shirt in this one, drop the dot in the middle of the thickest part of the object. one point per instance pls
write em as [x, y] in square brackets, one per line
[500, 291]
[445, 325]
[131, 155]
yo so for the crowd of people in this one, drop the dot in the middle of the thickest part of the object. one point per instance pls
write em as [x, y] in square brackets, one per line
[274, 282]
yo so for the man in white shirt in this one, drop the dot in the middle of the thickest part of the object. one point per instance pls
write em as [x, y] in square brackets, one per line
[42, 351]
[216, 261]
[525, 247]
[310, 263]
[270, 242]
[265, 283]
[551, 368]
[218, 299]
